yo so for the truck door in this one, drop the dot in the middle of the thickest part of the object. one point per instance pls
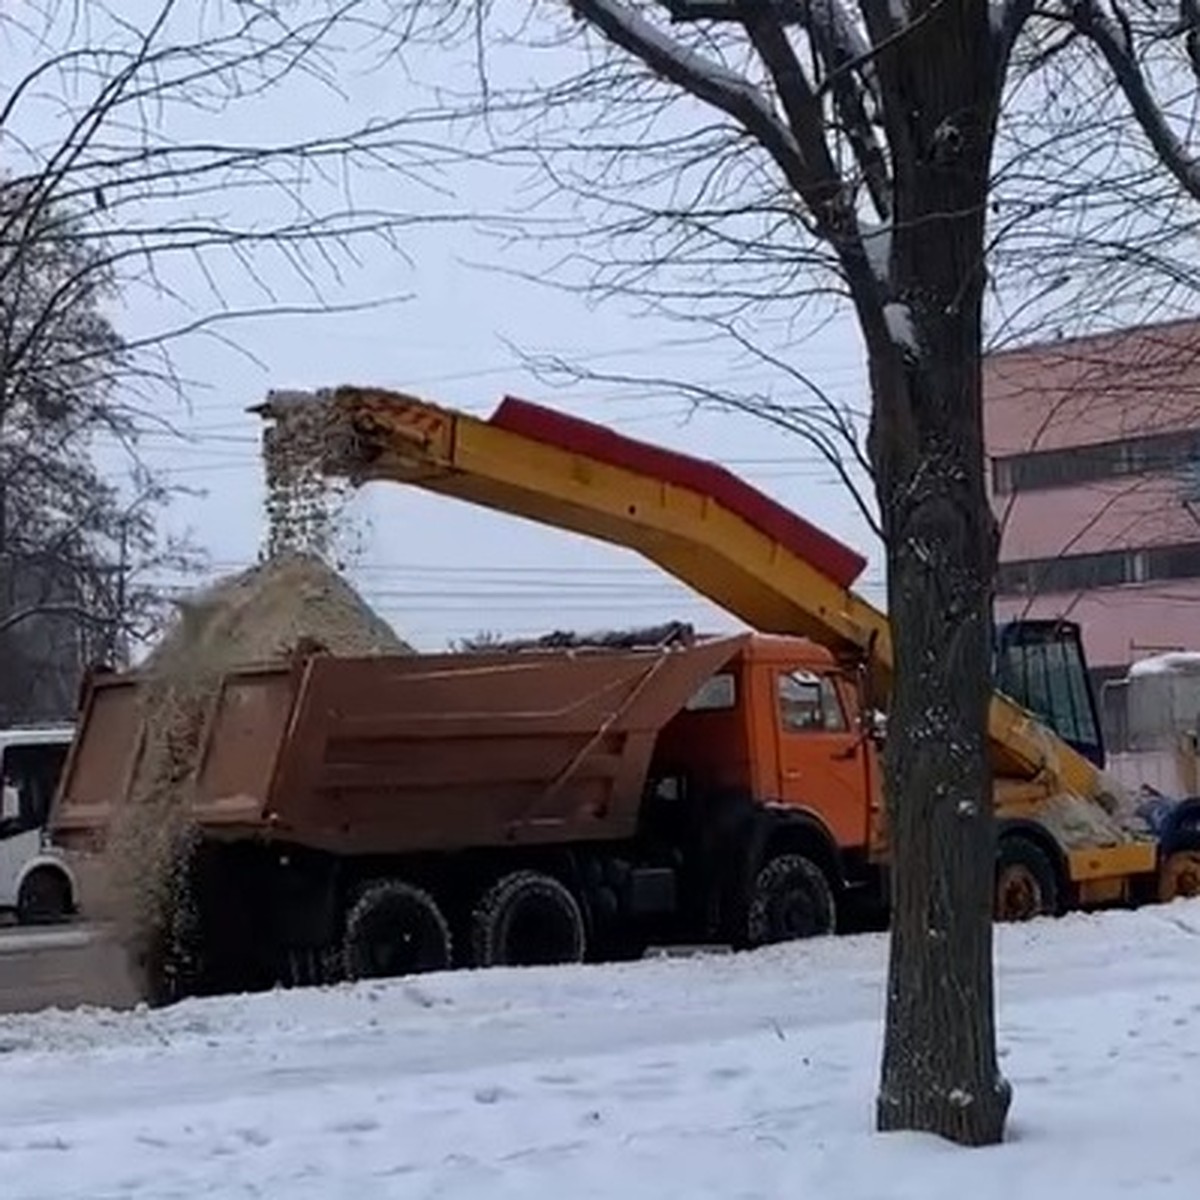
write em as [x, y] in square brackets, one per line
[823, 762]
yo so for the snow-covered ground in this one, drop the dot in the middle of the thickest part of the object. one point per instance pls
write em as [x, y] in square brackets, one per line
[731, 1077]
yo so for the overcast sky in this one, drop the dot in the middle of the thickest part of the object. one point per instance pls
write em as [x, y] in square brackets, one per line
[439, 569]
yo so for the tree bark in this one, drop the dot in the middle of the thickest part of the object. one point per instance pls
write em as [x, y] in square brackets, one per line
[940, 1072]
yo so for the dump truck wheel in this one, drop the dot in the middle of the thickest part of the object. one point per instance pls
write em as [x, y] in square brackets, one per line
[792, 899]
[45, 898]
[528, 919]
[1026, 883]
[1179, 877]
[395, 929]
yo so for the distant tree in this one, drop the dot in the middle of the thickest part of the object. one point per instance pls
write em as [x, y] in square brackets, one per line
[173, 127]
[123, 183]
[478, 643]
[70, 542]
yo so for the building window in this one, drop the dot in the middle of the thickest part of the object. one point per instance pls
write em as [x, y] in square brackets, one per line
[1042, 470]
[1173, 562]
[1070, 573]
[1090, 572]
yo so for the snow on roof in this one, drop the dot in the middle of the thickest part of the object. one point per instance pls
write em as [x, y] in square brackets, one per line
[1177, 662]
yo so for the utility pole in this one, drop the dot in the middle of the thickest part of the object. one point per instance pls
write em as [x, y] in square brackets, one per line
[121, 633]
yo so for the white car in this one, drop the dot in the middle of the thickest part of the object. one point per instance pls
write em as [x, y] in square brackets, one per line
[35, 880]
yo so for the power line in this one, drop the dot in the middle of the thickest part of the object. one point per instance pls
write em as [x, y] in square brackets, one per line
[447, 601]
[835, 369]
[186, 443]
[602, 579]
[666, 402]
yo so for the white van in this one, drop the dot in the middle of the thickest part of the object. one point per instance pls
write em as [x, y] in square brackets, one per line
[35, 880]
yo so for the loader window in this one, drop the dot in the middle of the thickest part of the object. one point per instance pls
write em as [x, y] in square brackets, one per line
[810, 703]
[1041, 666]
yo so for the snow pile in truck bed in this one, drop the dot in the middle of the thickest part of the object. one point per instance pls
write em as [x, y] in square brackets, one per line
[263, 613]
[260, 615]
[1080, 821]
[744, 1077]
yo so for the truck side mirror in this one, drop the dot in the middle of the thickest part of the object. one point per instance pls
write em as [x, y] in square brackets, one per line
[874, 725]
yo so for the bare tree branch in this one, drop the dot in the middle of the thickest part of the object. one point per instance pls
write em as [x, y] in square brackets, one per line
[709, 81]
[1115, 41]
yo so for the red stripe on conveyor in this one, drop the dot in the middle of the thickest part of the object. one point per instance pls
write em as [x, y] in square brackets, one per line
[814, 546]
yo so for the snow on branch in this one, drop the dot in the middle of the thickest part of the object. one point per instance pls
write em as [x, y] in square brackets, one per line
[1006, 19]
[877, 245]
[823, 187]
[1105, 25]
[899, 321]
[831, 19]
[796, 138]
[710, 81]
[851, 78]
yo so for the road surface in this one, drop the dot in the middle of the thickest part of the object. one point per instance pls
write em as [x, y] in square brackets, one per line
[733, 1077]
[61, 967]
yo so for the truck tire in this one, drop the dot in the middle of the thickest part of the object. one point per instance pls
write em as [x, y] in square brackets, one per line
[1026, 882]
[528, 919]
[395, 929]
[791, 899]
[45, 898]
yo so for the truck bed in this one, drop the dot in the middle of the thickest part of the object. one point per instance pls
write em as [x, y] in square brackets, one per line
[409, 753]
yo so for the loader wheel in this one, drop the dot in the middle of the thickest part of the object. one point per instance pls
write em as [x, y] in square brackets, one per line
[45, 898]
[1180, 876]
[791, 899]
[395, 929]
[528, 919]
[1026, 882]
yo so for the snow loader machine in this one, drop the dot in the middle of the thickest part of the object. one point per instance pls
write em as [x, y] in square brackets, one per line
[534, 804]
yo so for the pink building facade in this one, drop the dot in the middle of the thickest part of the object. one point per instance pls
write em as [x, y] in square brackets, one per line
[1094, 469]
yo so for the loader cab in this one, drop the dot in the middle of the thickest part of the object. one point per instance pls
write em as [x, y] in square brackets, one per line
[1041, 665]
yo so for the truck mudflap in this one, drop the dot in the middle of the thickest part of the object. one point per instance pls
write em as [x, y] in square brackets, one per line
[403, 754]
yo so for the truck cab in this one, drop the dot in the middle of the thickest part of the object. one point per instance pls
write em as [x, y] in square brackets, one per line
[787, 727]
[35, 881]
[782, 727]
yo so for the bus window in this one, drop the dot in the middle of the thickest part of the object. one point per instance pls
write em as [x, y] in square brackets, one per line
[30, 773]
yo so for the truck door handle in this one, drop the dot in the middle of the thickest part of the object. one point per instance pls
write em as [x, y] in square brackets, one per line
[850, 751]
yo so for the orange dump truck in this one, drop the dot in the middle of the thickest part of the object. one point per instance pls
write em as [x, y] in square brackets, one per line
[397, 814]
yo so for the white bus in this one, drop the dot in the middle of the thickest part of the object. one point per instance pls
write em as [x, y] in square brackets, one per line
[35, 881]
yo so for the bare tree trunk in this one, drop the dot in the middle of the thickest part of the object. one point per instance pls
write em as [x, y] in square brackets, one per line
[940, 1071]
